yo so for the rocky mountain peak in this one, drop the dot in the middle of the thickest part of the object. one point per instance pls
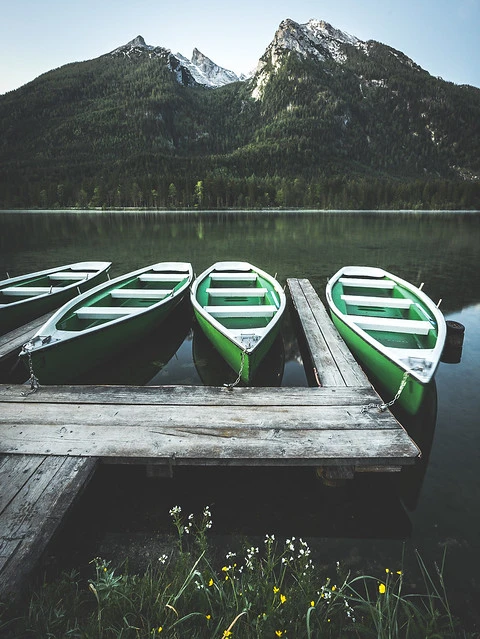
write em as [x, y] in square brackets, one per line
[137, 47]
[199, 70]
[316, 40]
[207, 72]
[137, 42]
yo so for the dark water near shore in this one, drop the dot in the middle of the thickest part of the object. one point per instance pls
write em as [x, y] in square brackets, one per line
[363, 523]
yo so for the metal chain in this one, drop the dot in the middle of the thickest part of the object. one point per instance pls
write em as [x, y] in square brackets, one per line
[237, 381]
[34, 384]
[403, 383]
[383, 407]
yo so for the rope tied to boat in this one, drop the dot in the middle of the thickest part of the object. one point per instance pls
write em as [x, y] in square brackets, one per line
[237, 381]
[383, 407]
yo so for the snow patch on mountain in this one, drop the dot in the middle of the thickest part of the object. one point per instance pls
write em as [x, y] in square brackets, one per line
[316, 39]
[206, 72]
[138, 47]
[199, 70]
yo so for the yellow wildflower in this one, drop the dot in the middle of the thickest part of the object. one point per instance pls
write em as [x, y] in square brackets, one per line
[227, 633]
[381, 589]
[312, 604]
[334, 588]
[225, 569]
[208, 617]
[279, 633]
[275, 589]
[399, 572]
[210, 583]
[283, 599]
[387, 570]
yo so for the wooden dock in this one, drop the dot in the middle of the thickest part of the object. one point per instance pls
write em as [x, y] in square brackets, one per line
[12, 342]
[51, 440]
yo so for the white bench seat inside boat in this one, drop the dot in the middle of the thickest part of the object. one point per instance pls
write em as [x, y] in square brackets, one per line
[386, 302]
[71, 275]
[30, 291]
[366, 283]
[140, 293]
[417, 327]
[237, 292]
[261, 310]
[106, 312]
[232, 277]
[161, 277]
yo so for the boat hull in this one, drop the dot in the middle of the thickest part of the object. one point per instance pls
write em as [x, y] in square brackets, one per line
[73, 354]
[245, 363]
[239, 308]
[67, 360]
[214, 370]
[21, 311]
[386, 374]
[393, 329]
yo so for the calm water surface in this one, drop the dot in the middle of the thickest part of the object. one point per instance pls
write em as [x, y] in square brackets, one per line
[364, 523]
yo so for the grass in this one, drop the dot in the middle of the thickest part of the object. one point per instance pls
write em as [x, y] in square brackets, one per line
[268, 591]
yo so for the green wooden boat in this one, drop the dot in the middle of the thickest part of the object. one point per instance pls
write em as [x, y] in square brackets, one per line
[29, 296]
[239, 307]
[394, 330]
[100, 322]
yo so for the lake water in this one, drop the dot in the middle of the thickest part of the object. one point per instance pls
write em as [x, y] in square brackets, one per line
[364, 523]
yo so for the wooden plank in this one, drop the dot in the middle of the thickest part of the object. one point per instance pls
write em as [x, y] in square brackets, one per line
[213, 418]
[378, 302]
[244, 447]
[107, 312]
[15, 339]
[191, 395]
[323, 335]
[255, 310]
[8, 547]
[321, 358]
[400, 325]
[366, 282]
[30, 291]
[15, 472]
[251, 291]
[246, 435]
[31, 518]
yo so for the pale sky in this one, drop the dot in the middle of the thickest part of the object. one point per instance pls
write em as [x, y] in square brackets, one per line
[442, 36]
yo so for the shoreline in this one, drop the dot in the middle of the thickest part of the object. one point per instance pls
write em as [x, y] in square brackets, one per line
[234, 210]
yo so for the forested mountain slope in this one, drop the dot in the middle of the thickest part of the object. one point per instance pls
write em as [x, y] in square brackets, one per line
[326, 121]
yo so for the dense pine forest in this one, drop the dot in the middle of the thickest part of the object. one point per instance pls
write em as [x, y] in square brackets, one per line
[374, 132]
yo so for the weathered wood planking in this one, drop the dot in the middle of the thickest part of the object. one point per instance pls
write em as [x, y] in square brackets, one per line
[15, 339]
[204, 426]
[36, 492]
[330, 356]
[190, 395]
